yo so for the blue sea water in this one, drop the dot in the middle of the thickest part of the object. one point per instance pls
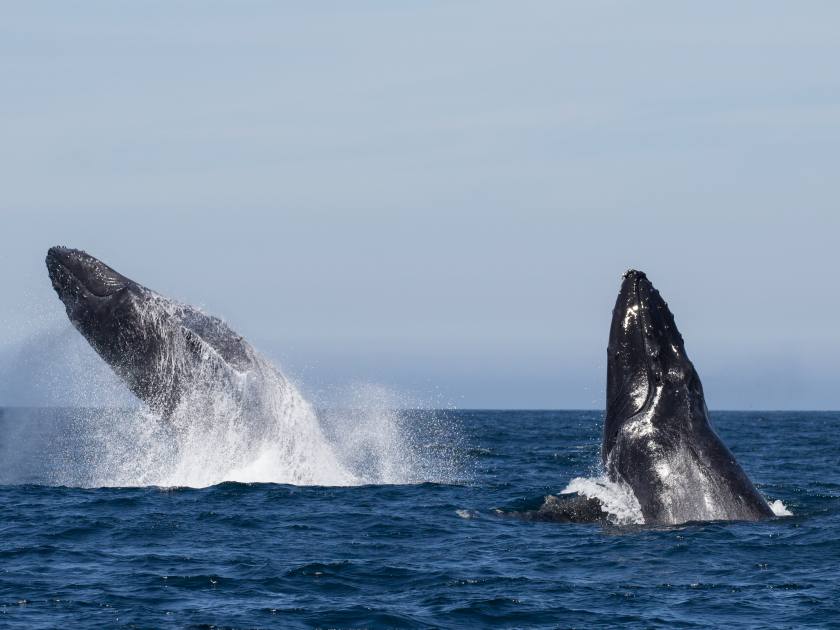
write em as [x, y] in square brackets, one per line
[417, 555]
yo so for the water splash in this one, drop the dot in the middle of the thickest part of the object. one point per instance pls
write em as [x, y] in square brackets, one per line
[56, 368]
[200, 446]
[134, 447]
[209, 419]
[245, 426]
[779, 508]
[616, 498]
[385, 437]
[204, 444]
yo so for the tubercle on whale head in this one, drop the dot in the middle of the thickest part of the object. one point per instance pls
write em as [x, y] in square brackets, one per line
[646, 354]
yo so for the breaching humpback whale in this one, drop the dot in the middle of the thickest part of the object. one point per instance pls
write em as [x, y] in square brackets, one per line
[163, 350]
[657, 436]
[225, 407]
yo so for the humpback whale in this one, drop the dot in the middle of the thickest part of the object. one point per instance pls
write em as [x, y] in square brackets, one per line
[658, 442]
[164, 351]
[657, 435]
[217, 398]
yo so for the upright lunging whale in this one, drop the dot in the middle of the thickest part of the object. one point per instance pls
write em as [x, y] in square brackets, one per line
[657, 436]
[658, 444]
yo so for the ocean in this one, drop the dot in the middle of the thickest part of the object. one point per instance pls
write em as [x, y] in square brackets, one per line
[98, 531]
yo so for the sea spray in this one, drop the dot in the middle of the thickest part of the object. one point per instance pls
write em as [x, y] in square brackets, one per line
[387, 437]
[252, 426]
[373, 443]
[779, 508]
[617, 499]
[56, 367]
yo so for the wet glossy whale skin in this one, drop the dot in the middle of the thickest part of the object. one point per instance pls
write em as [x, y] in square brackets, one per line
[657, 435]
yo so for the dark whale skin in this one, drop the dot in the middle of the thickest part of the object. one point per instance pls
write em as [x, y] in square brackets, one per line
[161, 349]
[657, 435]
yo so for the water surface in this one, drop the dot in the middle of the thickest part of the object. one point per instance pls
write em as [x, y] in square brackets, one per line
[418, 554]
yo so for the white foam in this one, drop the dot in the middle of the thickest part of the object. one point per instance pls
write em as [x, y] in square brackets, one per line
[617, 499]
[281, 440]
[252, 426]
[384, 437]
[779, 508]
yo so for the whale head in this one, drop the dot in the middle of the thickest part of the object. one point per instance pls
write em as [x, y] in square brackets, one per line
[158, 346]
[111, 311]
[648, 370]
[78, 274]
[101, 303]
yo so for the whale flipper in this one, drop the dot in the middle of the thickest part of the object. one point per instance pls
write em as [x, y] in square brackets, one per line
[569, 508]
[563, 508]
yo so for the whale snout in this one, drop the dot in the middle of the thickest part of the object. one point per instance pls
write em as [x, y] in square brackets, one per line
[75, 271]
[636, 289]
[633, 274]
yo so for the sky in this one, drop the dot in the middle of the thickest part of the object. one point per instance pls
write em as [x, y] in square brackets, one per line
[436, 197]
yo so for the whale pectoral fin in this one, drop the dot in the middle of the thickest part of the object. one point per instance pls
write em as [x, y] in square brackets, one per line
[566, 508]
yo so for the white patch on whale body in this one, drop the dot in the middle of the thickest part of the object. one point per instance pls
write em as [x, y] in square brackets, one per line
[641, 425]
[630, 315]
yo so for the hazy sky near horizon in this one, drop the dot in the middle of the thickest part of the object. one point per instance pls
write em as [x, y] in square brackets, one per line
[438, 197]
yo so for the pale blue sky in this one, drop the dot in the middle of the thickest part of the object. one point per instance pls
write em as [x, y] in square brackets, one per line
[440, 197]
